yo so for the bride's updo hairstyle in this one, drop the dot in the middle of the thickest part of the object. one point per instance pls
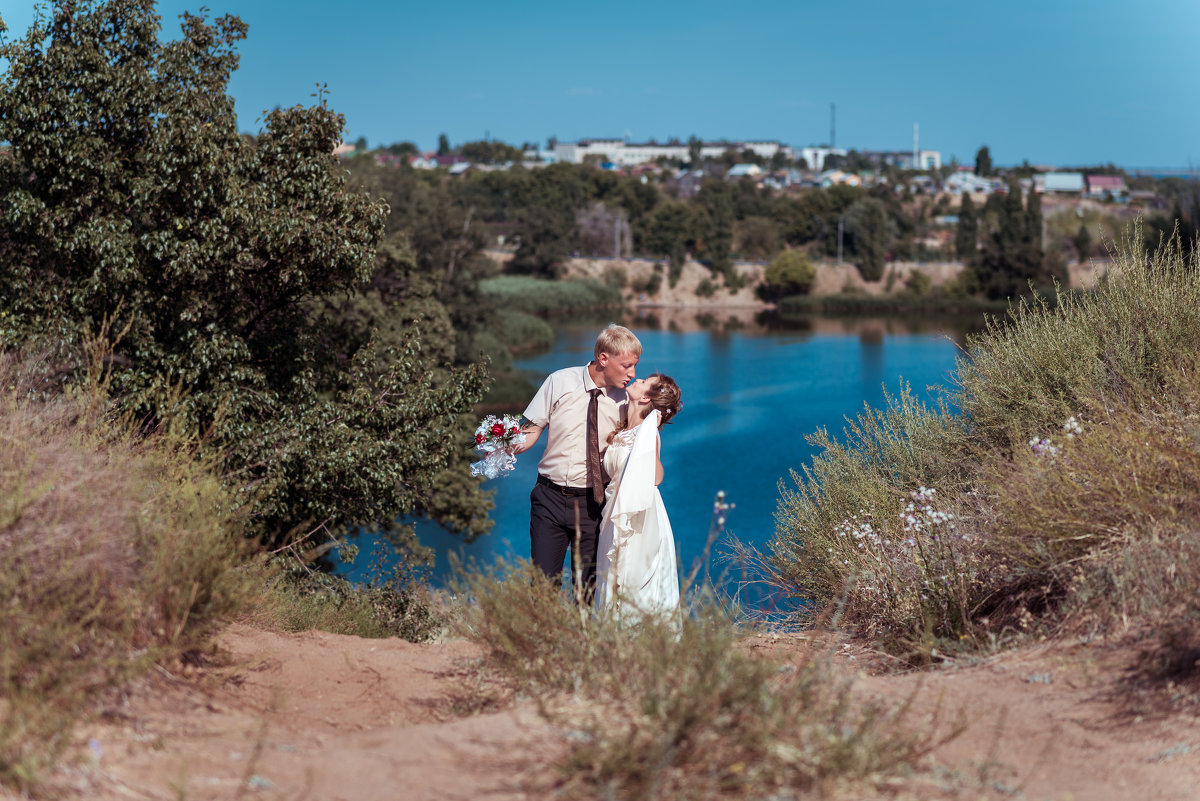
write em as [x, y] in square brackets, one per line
[666, 397]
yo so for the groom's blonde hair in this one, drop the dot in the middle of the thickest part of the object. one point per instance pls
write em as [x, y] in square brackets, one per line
[617, 340]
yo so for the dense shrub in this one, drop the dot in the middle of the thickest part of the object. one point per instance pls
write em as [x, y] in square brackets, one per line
[1065, 474]
[521, 332]
[918, 283]
[790, 273]
[538, 296]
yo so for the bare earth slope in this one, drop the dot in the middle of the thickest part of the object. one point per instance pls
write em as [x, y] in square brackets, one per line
[311, 715]
[323, 716]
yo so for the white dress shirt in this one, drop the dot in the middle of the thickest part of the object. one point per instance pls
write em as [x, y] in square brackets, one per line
[560, 406]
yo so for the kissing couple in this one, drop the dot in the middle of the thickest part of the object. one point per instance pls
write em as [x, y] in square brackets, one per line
[597, 486]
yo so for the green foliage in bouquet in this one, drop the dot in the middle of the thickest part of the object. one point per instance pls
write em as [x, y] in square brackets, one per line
[222, 263]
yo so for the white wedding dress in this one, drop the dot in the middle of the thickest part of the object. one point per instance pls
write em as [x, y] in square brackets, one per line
[635, 561]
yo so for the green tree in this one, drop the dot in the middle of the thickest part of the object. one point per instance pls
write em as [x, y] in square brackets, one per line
[870, 232]
[402, 149]
[545, 207]
[790, 273]
[1011, 256]
[490, 152]
[757, 238]
[669, 231]
[694, 145]
[966, 234]
[1082, 242]
[128, 198]
[1032, 253]
[718, 230]
[983, 162]
[443, 148]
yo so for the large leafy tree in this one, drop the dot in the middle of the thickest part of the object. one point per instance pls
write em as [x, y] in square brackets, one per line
[545, 207]
[128, 197]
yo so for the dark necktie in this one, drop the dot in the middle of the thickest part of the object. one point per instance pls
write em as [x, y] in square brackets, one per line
[595, 474]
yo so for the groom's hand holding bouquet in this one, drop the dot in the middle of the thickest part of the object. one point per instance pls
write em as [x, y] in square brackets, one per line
[499, 439]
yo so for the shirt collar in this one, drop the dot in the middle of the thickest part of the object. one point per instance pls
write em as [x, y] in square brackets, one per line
[588, 383]
[614, 393]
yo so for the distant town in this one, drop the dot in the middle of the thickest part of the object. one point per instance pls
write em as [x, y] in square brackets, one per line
[774, 165]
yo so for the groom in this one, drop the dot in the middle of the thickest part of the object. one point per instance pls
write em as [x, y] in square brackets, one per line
[580, 406]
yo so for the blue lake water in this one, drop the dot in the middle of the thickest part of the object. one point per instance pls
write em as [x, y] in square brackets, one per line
[752, 390]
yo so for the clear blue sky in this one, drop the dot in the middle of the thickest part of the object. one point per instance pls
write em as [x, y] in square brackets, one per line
[1052, 81]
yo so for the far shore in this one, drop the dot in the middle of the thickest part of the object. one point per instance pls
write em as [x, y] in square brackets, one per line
[832, 280]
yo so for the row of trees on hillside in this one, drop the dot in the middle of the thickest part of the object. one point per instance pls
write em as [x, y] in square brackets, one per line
[551, 213]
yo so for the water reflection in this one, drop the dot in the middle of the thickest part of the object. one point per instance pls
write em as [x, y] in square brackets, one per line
[758, 322]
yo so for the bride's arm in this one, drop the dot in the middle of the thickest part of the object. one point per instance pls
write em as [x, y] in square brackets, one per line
[658, 471]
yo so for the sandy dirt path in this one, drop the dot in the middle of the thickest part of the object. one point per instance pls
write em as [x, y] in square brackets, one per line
[312, 716]
[322, 716]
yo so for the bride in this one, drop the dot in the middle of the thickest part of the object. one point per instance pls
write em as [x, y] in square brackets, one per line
[636, 568]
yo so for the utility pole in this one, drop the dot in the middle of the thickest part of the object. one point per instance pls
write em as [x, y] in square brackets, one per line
[832, 126]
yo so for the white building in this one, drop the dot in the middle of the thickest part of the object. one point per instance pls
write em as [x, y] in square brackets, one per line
[744, 170]
[1065, 182]
[628, 154]
[906, 159]
[576, 152]
[969, 183]
[929, 160]
[815, 157]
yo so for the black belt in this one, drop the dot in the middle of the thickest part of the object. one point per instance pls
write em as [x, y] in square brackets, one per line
[545, 482]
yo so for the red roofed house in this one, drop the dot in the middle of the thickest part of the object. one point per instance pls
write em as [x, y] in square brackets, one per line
[1107, 186]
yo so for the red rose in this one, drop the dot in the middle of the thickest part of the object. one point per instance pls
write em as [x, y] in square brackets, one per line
[497, 429]
[514, 430]
[479, 439]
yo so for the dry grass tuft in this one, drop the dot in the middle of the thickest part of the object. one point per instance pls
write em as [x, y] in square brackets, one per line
[299, 598]
[117, 555]
[678, 709]
[1067, 481]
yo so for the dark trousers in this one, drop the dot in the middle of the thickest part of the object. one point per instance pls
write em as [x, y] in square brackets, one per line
[553, 517]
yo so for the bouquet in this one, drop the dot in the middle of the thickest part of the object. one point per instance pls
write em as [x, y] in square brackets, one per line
[494, 437]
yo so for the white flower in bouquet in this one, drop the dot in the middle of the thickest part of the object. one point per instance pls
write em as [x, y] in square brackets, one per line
[495, 438]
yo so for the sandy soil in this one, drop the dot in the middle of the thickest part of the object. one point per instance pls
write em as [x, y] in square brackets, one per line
[832, 279]
[322, 716]
[313, 715]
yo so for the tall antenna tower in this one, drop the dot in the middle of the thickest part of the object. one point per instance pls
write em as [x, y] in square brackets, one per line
[832, 126]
